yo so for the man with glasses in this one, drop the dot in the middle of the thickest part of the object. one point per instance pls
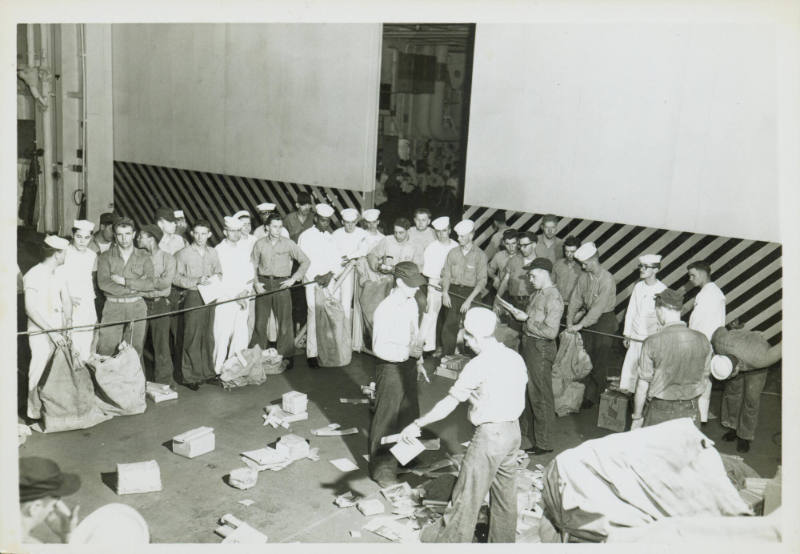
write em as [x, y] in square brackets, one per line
[549, 246]
[591, 308]
[640, 318]
[515, 278]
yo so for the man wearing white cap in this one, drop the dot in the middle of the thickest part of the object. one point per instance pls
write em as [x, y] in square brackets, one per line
[392, 249]
[371, 237]
[80, 263]
[48, 306]
[230, 319]
[264, 211]
[464, 275]
[246, 236]
[640, 318]
[432, 265]
[494, 384]
[421, 235]
[591, 307]
[325, 263]
[349, 240]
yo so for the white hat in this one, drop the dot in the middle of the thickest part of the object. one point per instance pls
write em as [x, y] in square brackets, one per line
[112, 524]
[179, 214]
[650, 259]
[721, 367]
[464, 227]
[83, 225]
[233, 223]
[241, 213]
[586, 251]
[480, 322]
[324, 210]
[371, 215]
[56, 242]
[349, 214]
[441, 223]
[265, 207]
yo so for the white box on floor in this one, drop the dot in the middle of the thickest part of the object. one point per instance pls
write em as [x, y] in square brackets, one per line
[292, 446]
[295, 402]
[194, 443]
[138, 477]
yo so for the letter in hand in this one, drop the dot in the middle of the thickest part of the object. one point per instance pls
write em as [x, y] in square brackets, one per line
[204, 280]
[411, 432]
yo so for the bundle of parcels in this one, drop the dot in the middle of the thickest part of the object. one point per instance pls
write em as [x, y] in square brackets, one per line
[294, 407]
[158, 392]
[272, 362]
[289, 448]
[450, 366]
[243, 368]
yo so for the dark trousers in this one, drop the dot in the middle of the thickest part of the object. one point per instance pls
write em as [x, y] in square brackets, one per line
[159, 330]
[658, 411]
[281, 304]
[298, 296]
[452, 319]
[197, 340]
[396, 405]
[175, 302]
[537, 418]
[741, 401]
[599, 349]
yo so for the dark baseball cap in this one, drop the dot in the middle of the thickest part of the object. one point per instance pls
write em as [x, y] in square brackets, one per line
[540, 263]
[107, 218]
[409, 273]
[670, 298]
[41, 477]
[154, 231]
[166, 213]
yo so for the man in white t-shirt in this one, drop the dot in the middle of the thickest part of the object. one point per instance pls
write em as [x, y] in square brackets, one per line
[432, 265]
[80, 263]
[640, 318]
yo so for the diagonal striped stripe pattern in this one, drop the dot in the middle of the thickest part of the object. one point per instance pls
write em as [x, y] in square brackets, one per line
[747, 271]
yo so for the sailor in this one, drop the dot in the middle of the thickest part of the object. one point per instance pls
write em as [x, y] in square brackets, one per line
[433, 263]
[79, 269]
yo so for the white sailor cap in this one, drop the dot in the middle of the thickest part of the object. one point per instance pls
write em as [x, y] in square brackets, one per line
[111, 524]
[480, 322]
[83, 225]
[650, 259]
[464, 227]
[265, 207]
[586, 251]
[56, 242]
[721, 367]
[371, 215]
[179, 214]
[349, 214]
[233, 223]
[324, 210]
[441, 223]
[241, 213]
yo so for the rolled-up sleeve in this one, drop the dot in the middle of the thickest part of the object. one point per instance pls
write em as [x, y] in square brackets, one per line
[468, 381]
[605, 295]
[646, 366]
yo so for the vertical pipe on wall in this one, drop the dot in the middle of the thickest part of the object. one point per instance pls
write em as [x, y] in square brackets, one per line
[47, 221]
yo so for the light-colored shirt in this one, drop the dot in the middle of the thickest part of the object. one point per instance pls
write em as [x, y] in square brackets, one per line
[368, 242]
[676, 362]
[595, 294]
[172, 244]
[434, 258]
[77, 273]
[391, 252]
[709, 310]
[261, 232]
[395, 327]
[295, 227]
[468, 270]
[43, 293]
[98, 245]
[237, 268]
[565, 275]
[494, 382]
[497, 265]
[275, 259]
[137, 271]
[519, 284]
[545, 309]
[350, 244]
[420, 241]
[163, 274]
[553, 252]
[640, 317]
[321, 251]
[193, 263]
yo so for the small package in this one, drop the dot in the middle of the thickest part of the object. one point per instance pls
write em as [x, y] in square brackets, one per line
[370, 507]
[158, 392]
[613, 412]
[292, 446]
[194, 443]
[405, 452]
[295, 402]
[236, 531]
[243, 478]
[138, 477]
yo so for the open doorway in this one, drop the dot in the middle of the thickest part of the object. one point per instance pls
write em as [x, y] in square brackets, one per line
[426, 73]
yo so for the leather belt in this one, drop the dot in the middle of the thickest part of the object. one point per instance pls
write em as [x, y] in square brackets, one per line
[123, 300]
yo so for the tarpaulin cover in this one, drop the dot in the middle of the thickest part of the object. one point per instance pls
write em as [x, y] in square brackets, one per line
[334, 341]
[635, 478]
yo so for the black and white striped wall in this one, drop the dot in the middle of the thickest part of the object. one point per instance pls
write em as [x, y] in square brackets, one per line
[747, 271]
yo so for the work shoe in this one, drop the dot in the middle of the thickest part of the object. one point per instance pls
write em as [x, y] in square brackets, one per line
[289, 365]
[587, 404]
[313, 363]
[743, 445]
[192, 386]
[730, 436]
[536, 451]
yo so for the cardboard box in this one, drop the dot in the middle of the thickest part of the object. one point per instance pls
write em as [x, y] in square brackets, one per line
[613, 414]
[292, 446]
[295, 402]
[194, 443]
[138, 477]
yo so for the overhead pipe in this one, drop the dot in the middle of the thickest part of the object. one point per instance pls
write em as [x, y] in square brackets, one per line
[438, 131]
[422, 103]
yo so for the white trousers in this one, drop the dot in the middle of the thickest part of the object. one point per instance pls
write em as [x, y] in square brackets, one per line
[704, 402]
[42, 349]
[630, 367]
[428, 325]
[251, 318]
[230, 332]
[311, 325]
[83, 314]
